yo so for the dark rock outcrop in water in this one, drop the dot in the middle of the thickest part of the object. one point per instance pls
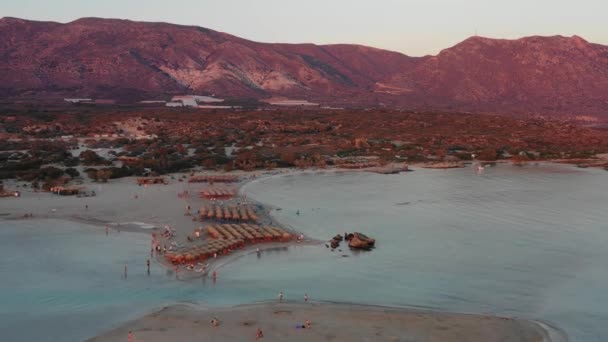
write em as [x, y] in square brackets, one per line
[130, 61]
[360, 241]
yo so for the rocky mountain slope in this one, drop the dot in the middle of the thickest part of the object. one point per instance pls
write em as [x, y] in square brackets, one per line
[132, 61]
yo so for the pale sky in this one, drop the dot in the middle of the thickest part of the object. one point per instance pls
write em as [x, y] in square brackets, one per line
[414, 27]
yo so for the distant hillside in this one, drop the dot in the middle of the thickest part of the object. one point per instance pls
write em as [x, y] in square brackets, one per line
[132, 61]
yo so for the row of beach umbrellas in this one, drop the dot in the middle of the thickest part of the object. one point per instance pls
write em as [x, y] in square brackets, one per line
[200, 253]
[247, 232]
[218, 193]
[237, 213]
[213, 179]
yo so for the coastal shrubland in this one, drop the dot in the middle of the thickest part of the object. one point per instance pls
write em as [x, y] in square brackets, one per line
[159, 141]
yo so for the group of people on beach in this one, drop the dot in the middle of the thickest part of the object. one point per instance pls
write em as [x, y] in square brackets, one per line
[156, 245]
[158, 250]
[282, 297]
[259, 334]
[215, 322]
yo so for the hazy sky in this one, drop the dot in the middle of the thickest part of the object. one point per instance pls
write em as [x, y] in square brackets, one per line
[414, 27]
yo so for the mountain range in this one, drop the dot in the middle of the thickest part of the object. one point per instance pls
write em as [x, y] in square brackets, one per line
[132, 61]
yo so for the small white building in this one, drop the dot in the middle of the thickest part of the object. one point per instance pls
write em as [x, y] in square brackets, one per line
[77, 100]
[174, 104]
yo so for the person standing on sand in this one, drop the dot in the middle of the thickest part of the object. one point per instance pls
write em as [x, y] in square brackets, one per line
[306, 297]
[130, 336]
[281, 297]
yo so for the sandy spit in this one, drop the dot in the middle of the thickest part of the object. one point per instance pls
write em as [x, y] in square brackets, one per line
[329, 322]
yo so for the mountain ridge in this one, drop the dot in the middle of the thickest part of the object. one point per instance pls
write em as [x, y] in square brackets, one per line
[131, 60]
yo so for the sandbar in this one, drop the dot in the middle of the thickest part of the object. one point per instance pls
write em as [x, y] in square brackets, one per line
[329, 322]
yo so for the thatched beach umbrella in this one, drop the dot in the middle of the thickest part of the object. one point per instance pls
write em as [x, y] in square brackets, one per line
[235, 214]
[243, 232]
[233, 231]
[273, 232]
[240, 243]
[243, 227]
[189, 257]
[267, 233]
[251, 214]
[227, 214]
[215, 244]
[224, 232]
[213, 232]
[283, 235]
[255, 232]
[227, 244]
[243, 212]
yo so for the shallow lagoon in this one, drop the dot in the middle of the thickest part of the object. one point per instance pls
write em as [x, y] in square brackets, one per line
[520, 241]
[526, 242]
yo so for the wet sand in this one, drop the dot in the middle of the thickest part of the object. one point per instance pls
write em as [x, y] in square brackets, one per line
[329, 322]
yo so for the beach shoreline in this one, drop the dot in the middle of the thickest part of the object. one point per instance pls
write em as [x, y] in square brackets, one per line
[329, 321]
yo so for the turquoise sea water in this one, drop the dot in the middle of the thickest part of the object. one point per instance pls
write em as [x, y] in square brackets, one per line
[526, 242]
